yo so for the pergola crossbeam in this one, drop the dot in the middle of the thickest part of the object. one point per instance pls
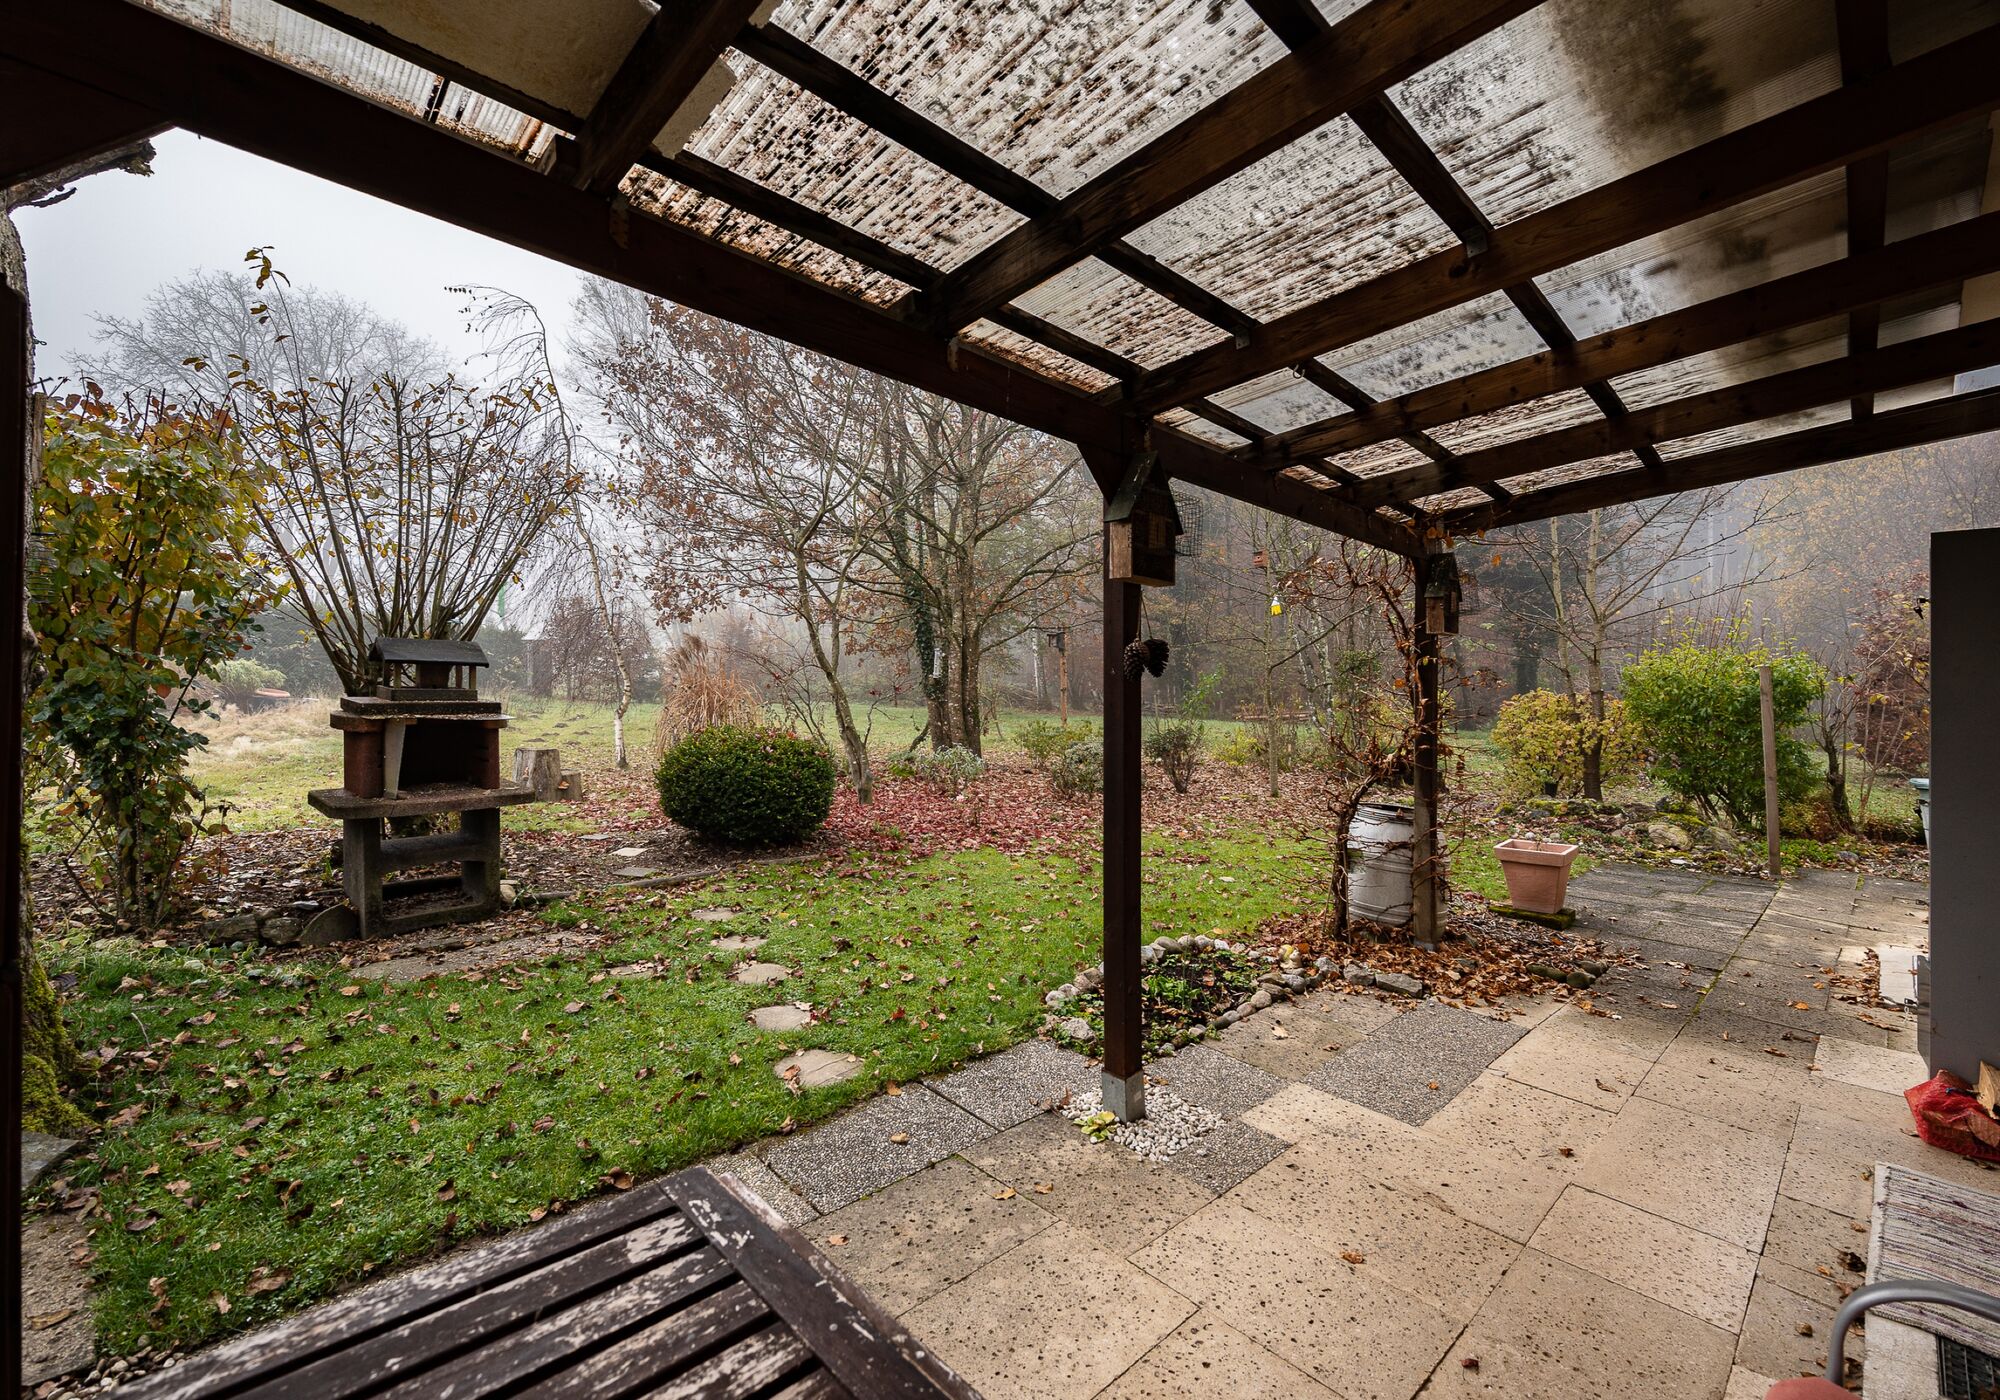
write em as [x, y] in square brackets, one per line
[1863, 27]
[1951, 83]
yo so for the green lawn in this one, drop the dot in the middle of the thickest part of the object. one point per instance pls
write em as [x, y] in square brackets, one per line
[316, 1127]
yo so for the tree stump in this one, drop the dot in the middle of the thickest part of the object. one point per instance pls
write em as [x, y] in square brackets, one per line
[571, 789]
[541, 770]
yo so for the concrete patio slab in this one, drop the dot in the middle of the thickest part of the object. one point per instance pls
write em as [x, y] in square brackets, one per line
[1011, 1087]
[1365, 1340]
[1552, 1331]
[1059, 1318]
[1207, 1357]
[1694, 1171]
[1365, 1012]
[1287, 1041]
[846, 1158]
[916, 1238]
[1408, 1241]
[1745, 1384]
[1726, 1088]
[1564, 1059]
[1869, 1067]
[1888, 1112]
[751, 1171]
[1531, 1124]
[1394, 1069]
[1807, 1236]
[1099, 1188]
[1202, 1074]
[1226, 1156]
[1786, 1335]
[1702, 1276]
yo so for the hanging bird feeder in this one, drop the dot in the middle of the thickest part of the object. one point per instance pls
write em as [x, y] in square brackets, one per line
[1141, 525]
[1442, 593]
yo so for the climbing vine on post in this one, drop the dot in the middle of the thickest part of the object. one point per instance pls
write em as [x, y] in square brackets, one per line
[143, 578]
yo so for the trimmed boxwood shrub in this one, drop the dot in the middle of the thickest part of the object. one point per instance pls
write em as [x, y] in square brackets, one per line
[750, 787]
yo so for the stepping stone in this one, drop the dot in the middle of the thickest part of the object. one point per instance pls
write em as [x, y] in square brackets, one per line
[760, 974]
[634, 872]
[781, 1018]
[818, 1068]
[627, 852]
[599, 836]
[738, 942]
[715, 914]
[39, 1152]
[638, 969]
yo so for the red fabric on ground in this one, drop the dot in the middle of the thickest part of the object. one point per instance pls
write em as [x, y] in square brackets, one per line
[1808, 1388]
[1948, 1116]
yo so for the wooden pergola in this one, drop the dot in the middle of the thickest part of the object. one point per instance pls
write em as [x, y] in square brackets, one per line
[1404, 270]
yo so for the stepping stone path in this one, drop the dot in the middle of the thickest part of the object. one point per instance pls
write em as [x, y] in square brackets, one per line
[627, 852]
[760, 974]
[738, 942]
[782, 1018]
[634, 872]
[638, 969]
[817, 1068]
[714, 914]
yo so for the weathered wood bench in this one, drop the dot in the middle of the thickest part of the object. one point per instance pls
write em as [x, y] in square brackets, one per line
[684, 1287]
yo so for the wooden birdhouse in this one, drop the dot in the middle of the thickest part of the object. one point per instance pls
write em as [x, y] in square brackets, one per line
[413, 668]
[1141, 525]
[1442, 594]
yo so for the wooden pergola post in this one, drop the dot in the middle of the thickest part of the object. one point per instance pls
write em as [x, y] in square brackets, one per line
[1124, 1070]
[1427, 889]
[15, 447]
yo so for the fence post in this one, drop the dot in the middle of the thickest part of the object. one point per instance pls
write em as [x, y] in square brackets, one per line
[1768, 712]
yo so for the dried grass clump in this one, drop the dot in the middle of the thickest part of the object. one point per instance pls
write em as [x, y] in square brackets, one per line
[701, 690]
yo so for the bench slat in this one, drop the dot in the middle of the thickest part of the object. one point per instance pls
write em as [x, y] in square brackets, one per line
[760, 1360]
[654, 1354]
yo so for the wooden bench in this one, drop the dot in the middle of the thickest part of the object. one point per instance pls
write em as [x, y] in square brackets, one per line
[684, 1287]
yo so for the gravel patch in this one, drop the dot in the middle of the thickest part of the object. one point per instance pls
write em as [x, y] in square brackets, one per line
[857, 1154]
[1416, 1064]
[1171, 1125]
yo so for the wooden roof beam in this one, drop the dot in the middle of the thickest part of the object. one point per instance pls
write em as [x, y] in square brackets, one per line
[1863, 27]
[1930, 357]
[1358, 59]
[1961, 416]
[1949, 84]
[679, 46]
[1942, 258]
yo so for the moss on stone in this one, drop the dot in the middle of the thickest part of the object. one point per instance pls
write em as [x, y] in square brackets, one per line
[44, 1109]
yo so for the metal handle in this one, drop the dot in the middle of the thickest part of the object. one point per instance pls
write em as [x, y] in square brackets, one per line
[1903, 1290]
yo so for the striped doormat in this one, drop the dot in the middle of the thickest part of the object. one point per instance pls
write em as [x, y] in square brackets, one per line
[1927, 1228]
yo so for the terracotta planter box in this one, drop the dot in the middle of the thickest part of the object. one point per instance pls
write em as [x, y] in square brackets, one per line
[1537, 873]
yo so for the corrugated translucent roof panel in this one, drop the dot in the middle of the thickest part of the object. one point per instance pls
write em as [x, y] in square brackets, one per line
[1463, 340]
[1517, 421]
[563, 53]
[1722, 369]
[1054, 89]
[1377, 458]
[1755, 432]
[1281, 401]
[1036, 355]
[1313, 218]
[1103, 305]
[773, 132]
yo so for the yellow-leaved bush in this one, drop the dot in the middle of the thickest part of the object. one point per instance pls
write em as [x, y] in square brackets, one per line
[1543, 737]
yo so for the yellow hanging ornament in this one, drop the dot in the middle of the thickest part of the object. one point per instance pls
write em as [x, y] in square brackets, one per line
[1277, 608]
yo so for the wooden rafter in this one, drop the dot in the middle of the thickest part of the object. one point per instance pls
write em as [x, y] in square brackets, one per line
[1919, 361]
[1358, 59]
[1962, 416]
[1864, 51]
[1949, 84]
[675, 51]
[1942, 258]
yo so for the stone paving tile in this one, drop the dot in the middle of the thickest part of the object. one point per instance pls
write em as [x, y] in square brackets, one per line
[1010, 1087]
[1702, 1174]
[1381, 1230]
[916, 1238]
[1518, 1120]
[1840, 1020]
[1392, 1070]
[751, 1171]
[844, 1159]
[1869, 1106]
[1748, 977]
[1810, 1284]
[1057, 1319]
[1316, 1311]
[1207, 1357]
[1565, 1059]
[1287, 1041]
[1807, 1236]
[1202, 1074]
[1224, 1157]
[1552, 1331]
[1869, 1067]
[1702, 1276]
[1833, 1156]
[1772, 1343]
[1725, 1088]
[1728, 1032]
[1902, 1361]
[1660, 952]
[1097, 1187]
[1745, 1384]
[1366, 1012]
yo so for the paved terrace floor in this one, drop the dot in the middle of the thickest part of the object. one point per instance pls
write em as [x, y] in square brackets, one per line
[1412, 1199]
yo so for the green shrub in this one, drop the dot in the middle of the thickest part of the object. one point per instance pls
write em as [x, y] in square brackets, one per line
[1043, 740]
[949, 770]
[240, 679]
[1078, 770]
[750, 787]
[1176, 746]
[1542, 737]
[1697, 712]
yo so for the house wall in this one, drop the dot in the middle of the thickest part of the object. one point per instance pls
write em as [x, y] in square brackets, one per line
[1965, 784]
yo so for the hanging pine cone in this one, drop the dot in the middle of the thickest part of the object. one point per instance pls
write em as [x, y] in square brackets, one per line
[1156, 655]
[1135, 660]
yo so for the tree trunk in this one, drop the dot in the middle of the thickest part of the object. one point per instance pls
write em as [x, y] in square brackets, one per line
[965, 693]
[619, 757]
[1836, 781]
